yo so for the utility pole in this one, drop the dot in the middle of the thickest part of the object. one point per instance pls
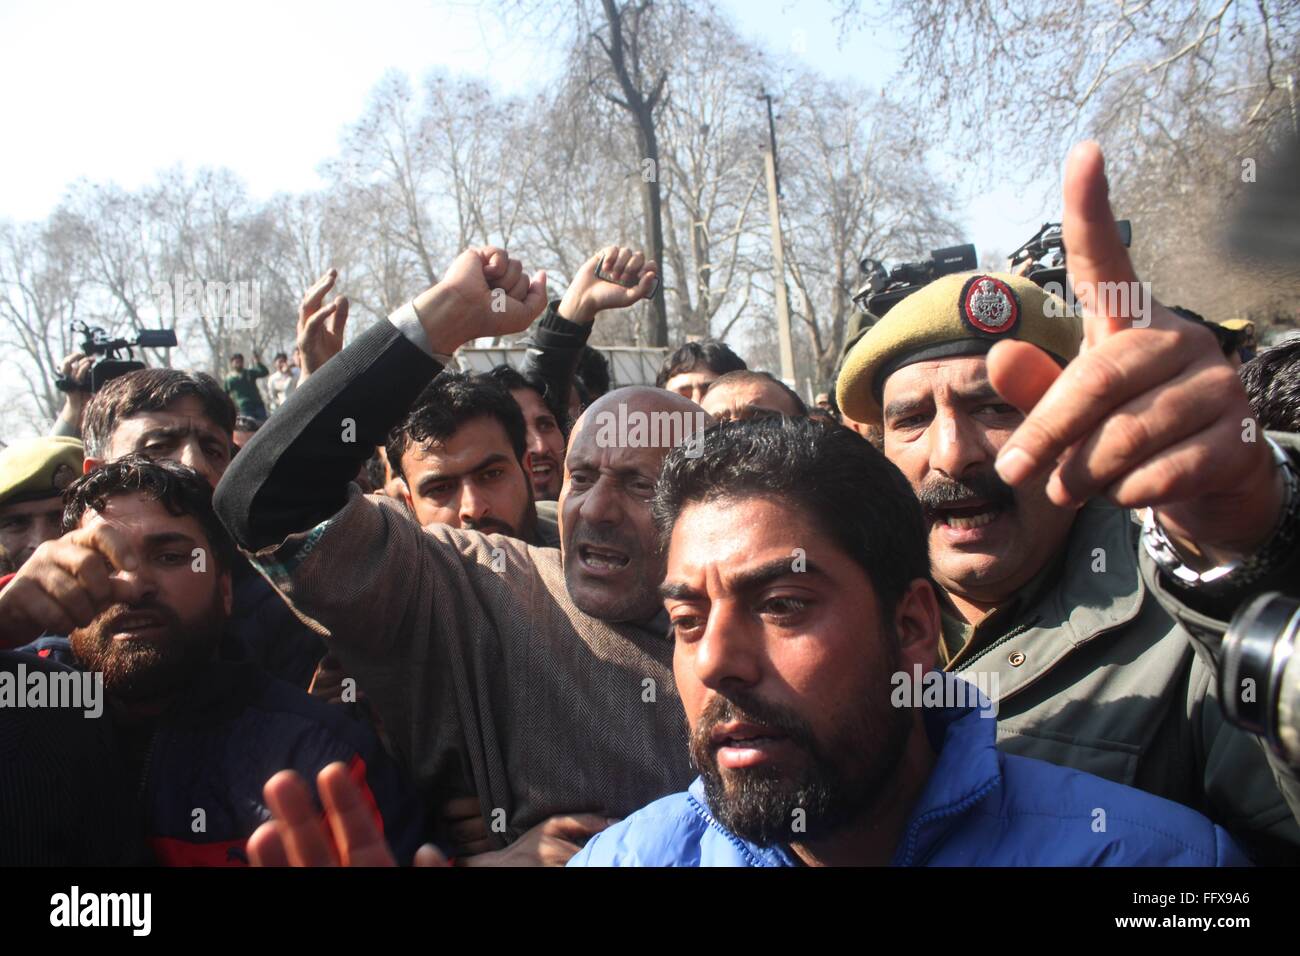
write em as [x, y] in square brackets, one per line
[1295, 120]
[778, 249]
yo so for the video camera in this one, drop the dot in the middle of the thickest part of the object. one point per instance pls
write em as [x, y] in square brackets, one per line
[885, 289]
[1259, 673]
[95, 341]
[1047, 245]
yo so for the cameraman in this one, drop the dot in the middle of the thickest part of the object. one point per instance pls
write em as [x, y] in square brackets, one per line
[75, 368]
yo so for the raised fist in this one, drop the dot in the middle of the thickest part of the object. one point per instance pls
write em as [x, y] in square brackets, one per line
[483, 293]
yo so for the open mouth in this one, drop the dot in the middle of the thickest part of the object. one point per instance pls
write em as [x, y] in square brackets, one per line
[126, 626]
[740, 745]
[967, 515]
[743, 735]
[541, 471]
[602, 559]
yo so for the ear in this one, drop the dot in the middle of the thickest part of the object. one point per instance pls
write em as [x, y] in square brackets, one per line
[90, 464]
[406, 494]
[918, 625]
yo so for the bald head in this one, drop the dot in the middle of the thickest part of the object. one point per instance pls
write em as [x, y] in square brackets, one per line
[638, 398]
[612, 565]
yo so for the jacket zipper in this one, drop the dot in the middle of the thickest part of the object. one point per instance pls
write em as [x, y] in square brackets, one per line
[935, 815]
[148, 760]
[1014, 632]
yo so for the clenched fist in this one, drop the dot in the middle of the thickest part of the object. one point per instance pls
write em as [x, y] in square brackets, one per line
[66, 583]
[483, 293]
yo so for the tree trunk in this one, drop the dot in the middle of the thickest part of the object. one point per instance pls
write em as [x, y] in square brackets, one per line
[642, 107]
[652, 203]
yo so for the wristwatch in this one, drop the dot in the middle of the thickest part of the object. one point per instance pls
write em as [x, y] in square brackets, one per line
[1277, 549]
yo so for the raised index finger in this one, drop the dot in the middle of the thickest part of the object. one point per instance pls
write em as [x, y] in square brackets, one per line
[1097, 261]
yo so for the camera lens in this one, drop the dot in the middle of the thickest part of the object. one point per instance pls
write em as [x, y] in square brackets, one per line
[1256, 651]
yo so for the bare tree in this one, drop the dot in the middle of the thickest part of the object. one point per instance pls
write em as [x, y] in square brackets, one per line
[215, 238]
[1163, 67]
[856, 183]
[116, 240]
[388, 157]
[713, 175]
[631, 39]
[39, 299]
[1180, 93]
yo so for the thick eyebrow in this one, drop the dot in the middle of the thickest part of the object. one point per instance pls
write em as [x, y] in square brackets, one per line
[678, 591]
[177, 431]
[163, 431]
[983, 392]
[494, 458]
[167, 537]
[751, 579]
[902, 406]
[619, 471]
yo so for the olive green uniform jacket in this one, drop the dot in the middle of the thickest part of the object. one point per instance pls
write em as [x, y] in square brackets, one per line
[1102, 665]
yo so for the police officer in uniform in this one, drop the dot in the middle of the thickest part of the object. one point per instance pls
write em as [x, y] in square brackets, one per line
[33, 474]
[1099, 502]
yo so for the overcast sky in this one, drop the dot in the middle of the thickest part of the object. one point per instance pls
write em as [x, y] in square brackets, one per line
[116, 92]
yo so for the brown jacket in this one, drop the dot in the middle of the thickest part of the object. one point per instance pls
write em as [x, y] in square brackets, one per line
[487, 677]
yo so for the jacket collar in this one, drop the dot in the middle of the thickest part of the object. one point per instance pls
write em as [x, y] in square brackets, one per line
[754, 854]
[1099, 590]
[966, 772]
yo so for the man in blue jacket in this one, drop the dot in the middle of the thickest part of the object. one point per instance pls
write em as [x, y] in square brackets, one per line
[806, 630]
[802, 610]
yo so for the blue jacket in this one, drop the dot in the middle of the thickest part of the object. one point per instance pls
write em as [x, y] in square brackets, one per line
[980, 807]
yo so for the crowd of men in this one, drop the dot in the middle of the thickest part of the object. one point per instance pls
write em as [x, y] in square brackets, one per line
[963, 609]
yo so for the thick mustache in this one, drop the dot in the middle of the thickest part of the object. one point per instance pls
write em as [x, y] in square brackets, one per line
[604, 538]
[116, 612]
[939, 492]
[743, 707]
[490, 526]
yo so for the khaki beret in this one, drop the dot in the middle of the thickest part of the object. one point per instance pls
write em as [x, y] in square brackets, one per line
[39, 468]
[961, 314]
